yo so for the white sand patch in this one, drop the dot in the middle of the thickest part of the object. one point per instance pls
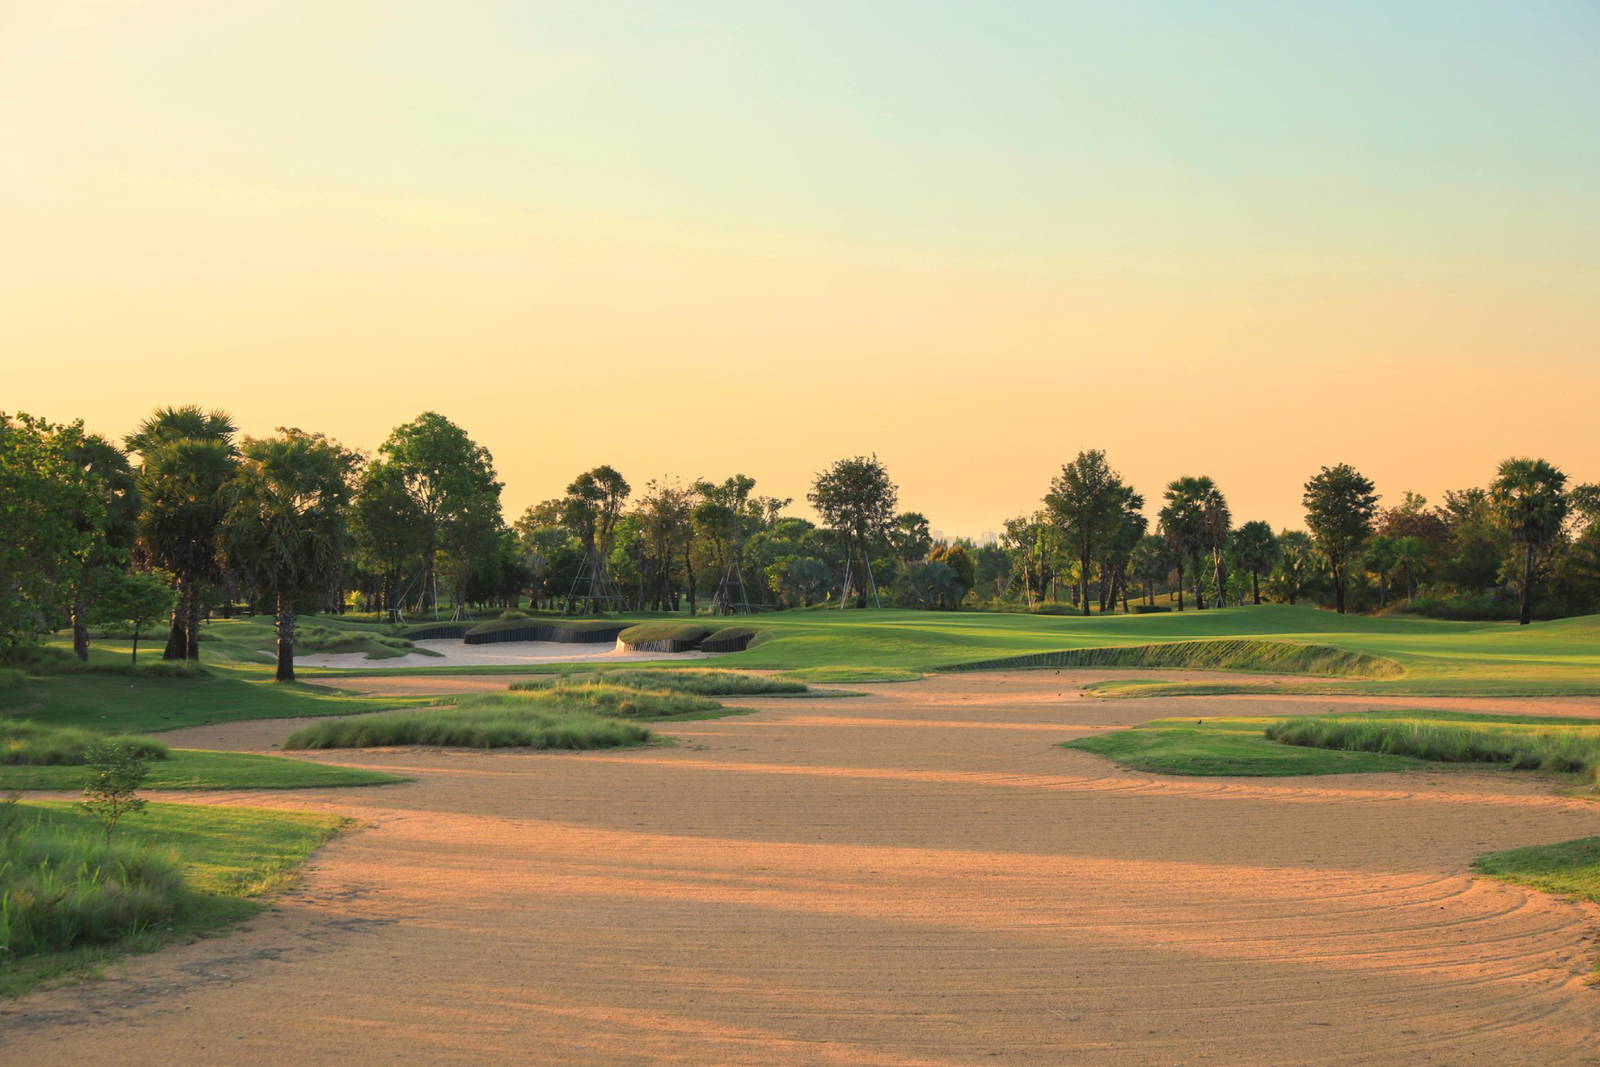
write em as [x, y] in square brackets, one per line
[456, 653]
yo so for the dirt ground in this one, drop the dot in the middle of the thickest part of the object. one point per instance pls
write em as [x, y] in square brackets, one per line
[917, 876]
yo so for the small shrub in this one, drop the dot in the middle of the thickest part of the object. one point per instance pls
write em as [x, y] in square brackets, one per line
[513, 613]
[116, 772]
[519, 724]
[600, 698]
[700, 683]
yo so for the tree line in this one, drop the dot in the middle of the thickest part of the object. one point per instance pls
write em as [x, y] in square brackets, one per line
[186, 517]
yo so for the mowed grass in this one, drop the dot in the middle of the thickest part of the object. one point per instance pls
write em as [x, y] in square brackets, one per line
[225, 693]
[1241, 746]
[1571, 868]
[229, 858]
[199, 769]
[1434, 657]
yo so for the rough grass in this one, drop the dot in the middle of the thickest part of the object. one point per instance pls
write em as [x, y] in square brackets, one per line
[228, 857]
[1239, 654]
[34, 744]
[665, 630]
[1571, 868]
[1225, 747]
[1558, 748]
[200, 769]
[314, 639]
[62, 887]
[603, 698]
[699, 683]
[491, 721]
[583, 631]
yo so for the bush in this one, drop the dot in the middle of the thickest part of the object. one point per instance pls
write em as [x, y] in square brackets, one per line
[1150, 609]
[482, 723]
[39, 660]
[1570, 750]
[37, 745]
[62, 888]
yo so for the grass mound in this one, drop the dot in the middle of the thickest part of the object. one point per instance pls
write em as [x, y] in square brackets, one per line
[313, 639]
[1280, 657]
[65, 887]
[37, 745]
[479, 722]
[579, 631]
[699, 683]
[1560, 749]
[200, 769]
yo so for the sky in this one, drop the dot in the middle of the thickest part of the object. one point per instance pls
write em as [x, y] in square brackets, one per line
[1243, 239]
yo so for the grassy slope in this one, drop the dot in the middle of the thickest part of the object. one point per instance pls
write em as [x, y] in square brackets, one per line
[230, 856]
[142, 705]
[195, 769]
[1238, 746]
[1569, 867]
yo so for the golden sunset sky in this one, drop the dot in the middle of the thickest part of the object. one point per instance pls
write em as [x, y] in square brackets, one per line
[694, 238]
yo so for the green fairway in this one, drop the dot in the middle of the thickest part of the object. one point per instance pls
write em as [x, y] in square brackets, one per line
[197, 769]
[1238, 746]
[230, 857]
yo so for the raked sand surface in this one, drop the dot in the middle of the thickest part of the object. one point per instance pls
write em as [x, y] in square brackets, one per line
[915, 876]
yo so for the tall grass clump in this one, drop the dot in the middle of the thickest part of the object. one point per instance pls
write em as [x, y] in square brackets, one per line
[37, 745]
[600, 698]
[1556, 750]
[699, 683]
[473, 724]
[62, 888]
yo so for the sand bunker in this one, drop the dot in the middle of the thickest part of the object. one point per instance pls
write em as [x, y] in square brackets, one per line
[915, 876]
[458, 654]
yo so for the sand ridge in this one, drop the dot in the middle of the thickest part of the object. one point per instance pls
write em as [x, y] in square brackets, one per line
[913, 876]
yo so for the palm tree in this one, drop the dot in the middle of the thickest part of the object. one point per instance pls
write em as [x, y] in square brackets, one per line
[1410, 553]
[1380, 560]
[1194, 521]
[187, 456]
[285, 528]
[1256, 550]
[1530, 497]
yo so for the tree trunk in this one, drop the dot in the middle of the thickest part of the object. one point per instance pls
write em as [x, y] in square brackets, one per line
[688, 569]
[1180, 587]
[1338, 588]
[80, 632]
[135, 646]
[1527, 583]
[1255, 586]
[1083, 579]
[177, 633]
[191, 622]
[285, 632]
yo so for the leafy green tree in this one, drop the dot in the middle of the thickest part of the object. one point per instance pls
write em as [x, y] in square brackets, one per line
[961, 564]
[1256, 549]
[110, 524]
[805, 579]
[454, 497]
[590, 511]
[991, 569]
[665, 516]
[1297, 559]
[1088, 501]
[1152, 562]
[1530, 497]
[132, 599]
[186, 459]
[52, 516]
[390, 534]
[929, 584]
[1034, 545]
[856, 498]
[1340, 504]
[286, 529]
[910, 537]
